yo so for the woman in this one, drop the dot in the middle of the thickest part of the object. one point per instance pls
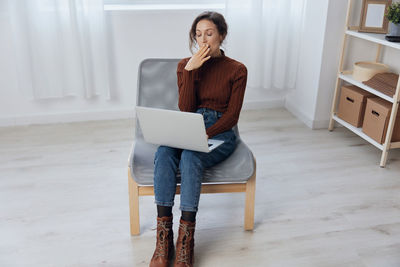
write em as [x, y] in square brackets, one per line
[212, 84]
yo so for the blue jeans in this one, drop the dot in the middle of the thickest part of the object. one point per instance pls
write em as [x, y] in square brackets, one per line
[191, 165]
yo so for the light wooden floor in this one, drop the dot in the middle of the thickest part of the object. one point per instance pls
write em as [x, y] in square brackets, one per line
[321, 199]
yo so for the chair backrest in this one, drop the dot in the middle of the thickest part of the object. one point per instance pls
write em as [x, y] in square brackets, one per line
[157, 83]
[158, 87]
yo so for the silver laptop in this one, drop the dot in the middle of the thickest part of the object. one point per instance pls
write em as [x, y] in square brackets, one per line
[178, 129]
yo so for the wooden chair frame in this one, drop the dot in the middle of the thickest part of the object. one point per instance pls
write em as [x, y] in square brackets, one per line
[249, 187]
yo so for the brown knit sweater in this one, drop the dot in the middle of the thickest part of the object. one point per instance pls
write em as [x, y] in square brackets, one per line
[219, 84]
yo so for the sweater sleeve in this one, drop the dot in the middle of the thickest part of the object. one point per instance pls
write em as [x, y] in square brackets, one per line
[231, 116]
[186, 87]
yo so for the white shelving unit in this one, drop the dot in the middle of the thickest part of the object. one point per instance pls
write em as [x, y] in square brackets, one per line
[346, 76]
[378, 38]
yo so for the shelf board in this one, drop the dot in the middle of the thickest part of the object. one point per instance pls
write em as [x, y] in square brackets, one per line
[348, 77]
[358, 131]
[378, 38]
[394, 145]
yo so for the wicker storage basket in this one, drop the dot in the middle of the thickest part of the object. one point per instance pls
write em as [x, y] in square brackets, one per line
[365, 70]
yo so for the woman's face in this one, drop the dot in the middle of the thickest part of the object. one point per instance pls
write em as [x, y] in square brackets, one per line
[207, 33]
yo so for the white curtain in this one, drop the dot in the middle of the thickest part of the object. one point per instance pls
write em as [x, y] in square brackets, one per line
[60, 47]
[265, 35]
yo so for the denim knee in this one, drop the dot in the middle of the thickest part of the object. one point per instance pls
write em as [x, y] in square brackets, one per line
[190, 161]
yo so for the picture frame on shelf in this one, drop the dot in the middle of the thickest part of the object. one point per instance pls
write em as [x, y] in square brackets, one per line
[373, 17]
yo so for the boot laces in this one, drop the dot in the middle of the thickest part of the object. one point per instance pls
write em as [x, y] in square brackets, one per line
[162, 240]
[184, 255]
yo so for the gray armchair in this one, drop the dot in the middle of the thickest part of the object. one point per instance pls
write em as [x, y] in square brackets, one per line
[157, 87]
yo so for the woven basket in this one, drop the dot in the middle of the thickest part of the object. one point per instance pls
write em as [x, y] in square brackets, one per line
[365, 70]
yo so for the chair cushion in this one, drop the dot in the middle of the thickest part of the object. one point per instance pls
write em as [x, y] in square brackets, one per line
[238, 167]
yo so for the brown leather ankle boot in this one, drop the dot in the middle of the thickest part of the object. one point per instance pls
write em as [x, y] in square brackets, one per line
[185, 244]
[165, 243]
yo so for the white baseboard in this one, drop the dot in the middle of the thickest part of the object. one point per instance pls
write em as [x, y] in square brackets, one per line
[7, 121]
[67, 117]
[107, 114]
[262, 104]
[311, 123]
[320, 124]
[299, 114]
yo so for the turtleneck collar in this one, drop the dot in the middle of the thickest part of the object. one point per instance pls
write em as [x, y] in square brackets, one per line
[219, 58]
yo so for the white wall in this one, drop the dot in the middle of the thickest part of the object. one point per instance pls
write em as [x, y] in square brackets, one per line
[333, 39]
[134, 36]
[302, 100]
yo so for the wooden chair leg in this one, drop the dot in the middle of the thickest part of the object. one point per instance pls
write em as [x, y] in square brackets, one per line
[133, 205]
[249, 205]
